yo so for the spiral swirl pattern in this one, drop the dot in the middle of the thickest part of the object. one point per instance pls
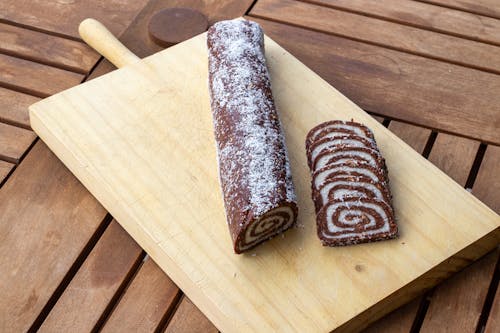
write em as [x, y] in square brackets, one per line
[254, 169]
[354, 220]
[272, 223]
[350, 184]
[328, 127]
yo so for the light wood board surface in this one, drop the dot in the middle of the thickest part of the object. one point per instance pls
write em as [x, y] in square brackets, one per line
[140, 139]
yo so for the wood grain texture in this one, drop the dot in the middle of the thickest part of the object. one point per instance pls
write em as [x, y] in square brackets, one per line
[482, 7]
[426, 16]
[378, 118]
[454, 155]
[401, 320]
[47, 49]
[164, 196]
[398, 85]
[54, 219]
[14, 107]
[5, 168]
[398, 321]
[183, 23]
[137, 39]
[457, 303]
[487, 184]
[96, 35]
[415, 136]
[188, 319]
[14, 142]
[225, 9]
[131, 312]
[493, 323]
[148, 300]
[380, 32]
[95, 284]
[37, 79]
[62, 17]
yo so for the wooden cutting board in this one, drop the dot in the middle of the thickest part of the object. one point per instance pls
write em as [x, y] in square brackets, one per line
[140, 139]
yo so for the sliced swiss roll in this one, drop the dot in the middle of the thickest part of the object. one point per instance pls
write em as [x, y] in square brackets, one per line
[324, 175]
[353, 155]
[254, 169]
[328, 127]
[337, 143]
[350, 184]
[355, 220]
[342, 187]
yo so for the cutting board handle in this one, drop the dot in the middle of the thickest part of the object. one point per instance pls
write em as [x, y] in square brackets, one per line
[102, 40]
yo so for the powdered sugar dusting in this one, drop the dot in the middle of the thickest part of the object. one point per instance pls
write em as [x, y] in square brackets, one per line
[253, 165]
[290, 190]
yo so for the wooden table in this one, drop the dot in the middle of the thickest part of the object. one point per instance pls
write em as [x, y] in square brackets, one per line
[428, 70]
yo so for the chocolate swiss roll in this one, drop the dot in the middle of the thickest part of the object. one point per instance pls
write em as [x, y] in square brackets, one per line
[337, 143]
[254, 169]
[350, 184]
[343, 126]
[322, 176]
[343, 187]
[355, 220]
[355, 155]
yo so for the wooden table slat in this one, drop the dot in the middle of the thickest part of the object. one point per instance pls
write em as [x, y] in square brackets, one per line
[137, 40]
[398, 321]
[457, 303]
[41, 191]
[136, 37]
[388, 34]
[487, 185]
[5, 168]
[493, 323]
[63, 17]
[47, 220]
[188, 319]
[53, 50]
[454, 155]
[95, 284]
[415, 136]
[217, 10]
[483, 7]
[14, 107]
[397, 85]
[401, 320]
[390, 83]
[14, 141]
[378, 118]
[34, 78]
[147, 302]
[426, 16]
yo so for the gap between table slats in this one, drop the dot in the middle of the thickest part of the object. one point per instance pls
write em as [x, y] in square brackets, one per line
[382, 33]
[424, 16]
[457, 100]
[46, 49]
[489, 8]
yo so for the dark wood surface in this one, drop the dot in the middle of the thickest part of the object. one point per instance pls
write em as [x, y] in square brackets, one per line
[428, 70]
[174, 25]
